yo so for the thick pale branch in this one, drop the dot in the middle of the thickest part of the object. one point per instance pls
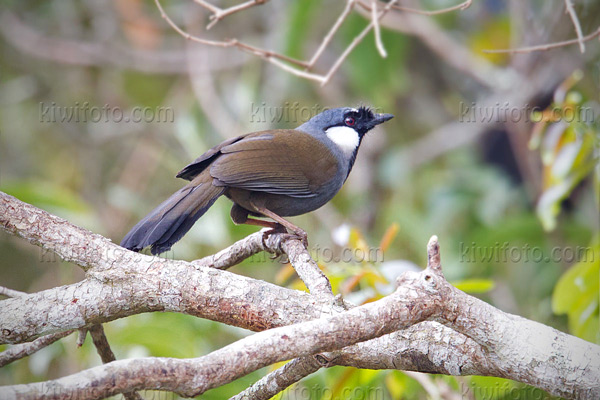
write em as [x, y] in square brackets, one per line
[307, 269]
[478, 339]
[236, 253]
[562, 364]
[106, 354]
[191, 377]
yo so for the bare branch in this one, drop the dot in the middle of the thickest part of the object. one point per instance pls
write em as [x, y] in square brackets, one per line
[101, 343]
[4, 291]
[478, 338]
[81, 336]
[355, 43]
[377, 30]
[408, 305]
[88, 53]
[287, 63]
[327, 39]
[270, 56]
[280, 379]
[433, 255]
[106, 354]
[462, 6]
[307, 269]
[571, 11]
[19, 351]
[444, 45]
[234, 254]
[209, 6]
[544, 47]
[220, 14]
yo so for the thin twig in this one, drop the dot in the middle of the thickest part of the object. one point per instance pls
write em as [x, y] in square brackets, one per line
[267, 54]
[81, 335]
[101, 343]
[307, 269]
[355, 43]
[270, 56]
[327, 39]
[209, 6]
[280, 379]
[22, 350]
[549, 46]
[282, 61]
[462, 6]
[219, 15]
[4, 291]
[573, 15]
[377, 30]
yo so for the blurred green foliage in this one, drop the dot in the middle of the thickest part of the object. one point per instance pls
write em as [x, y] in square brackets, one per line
[568, 138]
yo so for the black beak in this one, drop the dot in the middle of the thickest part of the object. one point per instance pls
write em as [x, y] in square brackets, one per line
[379, 119]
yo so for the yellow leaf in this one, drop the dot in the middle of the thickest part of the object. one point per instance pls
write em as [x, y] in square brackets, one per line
[389, 236]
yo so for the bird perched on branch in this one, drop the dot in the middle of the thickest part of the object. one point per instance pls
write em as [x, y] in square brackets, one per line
[273, 173]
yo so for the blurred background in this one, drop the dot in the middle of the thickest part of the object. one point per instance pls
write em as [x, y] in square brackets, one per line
[102, 103]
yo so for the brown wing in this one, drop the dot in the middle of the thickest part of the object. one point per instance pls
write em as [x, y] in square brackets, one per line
[267, 162]
[199, 164]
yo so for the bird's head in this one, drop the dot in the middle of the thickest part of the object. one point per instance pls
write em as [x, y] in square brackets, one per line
[345, 126]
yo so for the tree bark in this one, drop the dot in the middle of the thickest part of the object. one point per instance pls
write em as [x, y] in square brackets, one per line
[426, 325]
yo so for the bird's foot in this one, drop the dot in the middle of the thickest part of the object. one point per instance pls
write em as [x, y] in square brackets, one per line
[278, 228]
[297, 234]
[302, 236]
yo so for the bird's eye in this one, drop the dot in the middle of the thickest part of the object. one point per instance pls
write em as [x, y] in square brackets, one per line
[349, 121]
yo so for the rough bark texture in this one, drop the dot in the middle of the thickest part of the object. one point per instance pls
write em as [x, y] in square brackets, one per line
[425, 325]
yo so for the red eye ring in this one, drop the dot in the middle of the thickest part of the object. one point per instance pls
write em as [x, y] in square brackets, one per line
[349, 121]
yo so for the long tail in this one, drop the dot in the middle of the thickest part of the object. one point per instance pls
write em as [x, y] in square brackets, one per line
[168, 222]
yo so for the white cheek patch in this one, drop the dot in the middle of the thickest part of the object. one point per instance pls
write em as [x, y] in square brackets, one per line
[344, 137]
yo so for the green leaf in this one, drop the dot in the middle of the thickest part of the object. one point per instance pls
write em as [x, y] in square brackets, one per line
[46, 195]
[474, 285]
[302, 13]
[548, 205]
[577, 294]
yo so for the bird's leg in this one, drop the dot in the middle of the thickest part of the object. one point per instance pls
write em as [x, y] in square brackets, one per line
[267, 224]
[299, 232]
[239, 215]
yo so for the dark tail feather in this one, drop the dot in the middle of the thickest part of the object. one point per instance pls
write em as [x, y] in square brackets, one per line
[168, 222]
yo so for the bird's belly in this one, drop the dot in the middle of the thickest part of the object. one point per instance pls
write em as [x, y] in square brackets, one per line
[282, 205]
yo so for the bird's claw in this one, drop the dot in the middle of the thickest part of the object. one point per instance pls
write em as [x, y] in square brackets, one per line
[280, 229]
[302, 236]
[269, 232]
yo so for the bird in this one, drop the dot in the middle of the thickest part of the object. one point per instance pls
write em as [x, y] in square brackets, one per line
[267, 174]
